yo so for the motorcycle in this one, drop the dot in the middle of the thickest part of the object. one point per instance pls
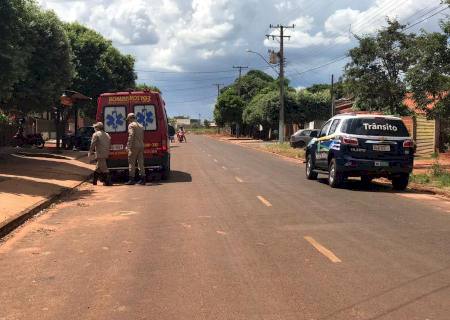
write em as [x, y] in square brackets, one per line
[181, 137]
[35, 140]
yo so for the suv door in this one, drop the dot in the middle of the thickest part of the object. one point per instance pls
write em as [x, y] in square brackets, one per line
[321, 154]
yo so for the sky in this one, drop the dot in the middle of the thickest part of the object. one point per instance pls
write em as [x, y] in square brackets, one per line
[185, 47]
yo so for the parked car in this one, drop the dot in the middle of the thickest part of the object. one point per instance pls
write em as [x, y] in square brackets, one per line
[365, 146]
[81, 140]
[301, 138]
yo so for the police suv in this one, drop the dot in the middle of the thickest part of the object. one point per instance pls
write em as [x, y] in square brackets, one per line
[361, 145]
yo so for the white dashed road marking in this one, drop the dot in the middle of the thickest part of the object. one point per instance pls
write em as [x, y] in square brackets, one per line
[327, 253]
[264, 201]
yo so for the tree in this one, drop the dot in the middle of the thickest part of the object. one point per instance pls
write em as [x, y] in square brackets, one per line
[15, 51]
[229, 107]
[99, 67]
[429, 75]
[252, 83]
[264, 109]
[374, 75]
[49, 69]
[206, 123]
[340, 89]
[314, 105]
[143, 86]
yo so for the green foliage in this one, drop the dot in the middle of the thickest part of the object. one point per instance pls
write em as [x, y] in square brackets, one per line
[40, 57]
[3, 118]
[99, 67]
[206, 123]
[143, 86]
[421, 178]
[264, 109]
[229, 107]
[315, 105]
[15, 51]
[251, 84]
[429, 75]
[49, 68]
[437, 176]
[374, 75]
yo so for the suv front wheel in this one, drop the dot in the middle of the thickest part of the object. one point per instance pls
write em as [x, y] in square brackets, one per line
[310, 173]
[335, 176]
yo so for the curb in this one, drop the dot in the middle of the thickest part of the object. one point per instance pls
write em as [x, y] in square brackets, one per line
[290, 159]
[43, 155]
[13, 223]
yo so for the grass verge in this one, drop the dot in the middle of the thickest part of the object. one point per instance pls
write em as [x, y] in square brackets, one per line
[437, 177]
[284, 149]
[203, 130]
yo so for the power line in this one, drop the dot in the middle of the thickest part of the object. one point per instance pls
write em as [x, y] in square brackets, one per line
[426, 18]
[344, 57]
[184, 72]
[186, 80]
[189, 101]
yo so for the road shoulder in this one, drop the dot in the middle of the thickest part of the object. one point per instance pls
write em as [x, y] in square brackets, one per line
[29, 184]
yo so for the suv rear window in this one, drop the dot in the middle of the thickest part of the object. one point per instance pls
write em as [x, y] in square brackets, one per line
[375, 127]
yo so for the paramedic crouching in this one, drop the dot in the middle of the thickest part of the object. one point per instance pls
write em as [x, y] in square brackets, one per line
[135, 146]
[100, 144]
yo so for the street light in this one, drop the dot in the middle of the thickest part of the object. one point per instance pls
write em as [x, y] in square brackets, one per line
[265, 60]
[281, 120]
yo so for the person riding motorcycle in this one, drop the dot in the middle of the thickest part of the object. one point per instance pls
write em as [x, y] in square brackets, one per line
[181, 135]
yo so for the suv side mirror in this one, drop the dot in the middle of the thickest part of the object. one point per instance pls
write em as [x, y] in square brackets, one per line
[314, 134]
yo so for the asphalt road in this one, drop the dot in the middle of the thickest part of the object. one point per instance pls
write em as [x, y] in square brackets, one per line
[236, 234]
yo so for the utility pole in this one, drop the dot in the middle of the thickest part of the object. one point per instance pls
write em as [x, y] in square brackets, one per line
[218, 88]
[281, 77]
[332, 95]
[239, 80]
[239, 92]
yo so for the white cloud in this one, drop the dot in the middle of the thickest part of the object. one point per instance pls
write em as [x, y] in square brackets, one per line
[341, 20]
[205, 35]
[372, 19]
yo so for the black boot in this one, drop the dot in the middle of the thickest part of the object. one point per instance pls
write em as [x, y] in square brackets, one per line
[95, 178]
[107, 179]
[130, 182]
[142, 181]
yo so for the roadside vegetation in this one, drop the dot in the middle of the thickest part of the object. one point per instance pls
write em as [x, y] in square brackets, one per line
[208, 131]
[41, 56]
[437, 177]
[284, 149]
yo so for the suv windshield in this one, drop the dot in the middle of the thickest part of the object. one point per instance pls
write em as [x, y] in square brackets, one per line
[375, 127]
